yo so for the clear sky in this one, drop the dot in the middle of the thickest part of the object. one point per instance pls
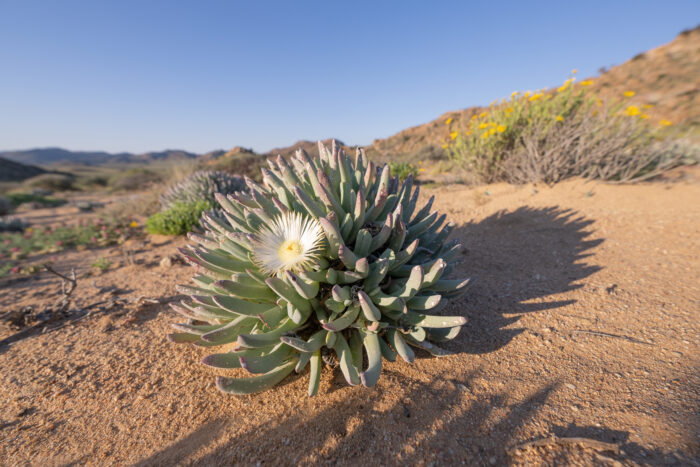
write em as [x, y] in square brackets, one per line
[200, 75]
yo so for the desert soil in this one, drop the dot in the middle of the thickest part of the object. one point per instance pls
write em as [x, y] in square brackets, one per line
[583, 323]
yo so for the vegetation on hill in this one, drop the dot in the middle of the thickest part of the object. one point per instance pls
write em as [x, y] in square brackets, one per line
[15, 171]
[547, 136]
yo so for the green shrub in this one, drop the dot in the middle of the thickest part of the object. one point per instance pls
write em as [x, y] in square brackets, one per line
[20, 198]
[403, 170]
[179, 219]
[53, 182]
[18, 241]
[6, 206]
[134, 179]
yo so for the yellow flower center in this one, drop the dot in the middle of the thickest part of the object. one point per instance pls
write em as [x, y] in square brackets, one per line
[290, 250]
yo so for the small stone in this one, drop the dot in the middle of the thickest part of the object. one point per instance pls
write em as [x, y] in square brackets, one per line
[570, 386]
[166, 262]
[492, 460]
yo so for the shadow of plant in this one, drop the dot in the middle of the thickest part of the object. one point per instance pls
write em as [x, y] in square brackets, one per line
[518, 259]
[382, 428]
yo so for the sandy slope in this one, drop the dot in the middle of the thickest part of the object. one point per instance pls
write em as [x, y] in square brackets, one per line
[584, 322]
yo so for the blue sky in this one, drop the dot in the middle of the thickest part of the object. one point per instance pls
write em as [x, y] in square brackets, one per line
[201, 75]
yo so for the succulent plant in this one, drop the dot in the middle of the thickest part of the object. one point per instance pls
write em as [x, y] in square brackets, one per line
[201, 186]
[328, 260]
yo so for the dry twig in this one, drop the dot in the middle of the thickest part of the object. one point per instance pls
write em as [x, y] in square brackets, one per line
[585, 442]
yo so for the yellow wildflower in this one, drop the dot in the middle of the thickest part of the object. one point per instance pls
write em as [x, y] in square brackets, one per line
[644, 116]
[492, 131]
[483, 114]
[444, 146]
[448, 121]
[485, 135]
[483, 126]
[134, 224]
[647, 106]
[420, 162]
[527, 94]
[453, 135]
[586, 82]
[534, 97]
[632, 111]
[492, 103]
[474, 117]
[629, 93]
[515, 93]
[574, 71]
[664, 122]
[560, 118]
[599, 102]
[509, 110]
[492, 123]
[501, 128]
[421, 169]
[468, 132]
[29, 229]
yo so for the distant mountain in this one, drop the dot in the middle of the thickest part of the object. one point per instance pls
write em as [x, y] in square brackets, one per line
[50, 156]
[14, 171]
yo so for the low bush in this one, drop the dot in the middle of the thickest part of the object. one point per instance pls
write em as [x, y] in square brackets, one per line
[52, 182]
[403, 170]
[201, 186]
[17, 246]
[179, 219]
[548, 136]
[134, 179]
[6, 206]
[20, 198]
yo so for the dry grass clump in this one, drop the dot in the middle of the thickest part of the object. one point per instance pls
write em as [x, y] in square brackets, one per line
[548, 136]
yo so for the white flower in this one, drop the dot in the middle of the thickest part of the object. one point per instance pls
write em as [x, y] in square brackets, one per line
[293, 242]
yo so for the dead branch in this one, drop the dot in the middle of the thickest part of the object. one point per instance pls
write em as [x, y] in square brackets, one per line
[607, 334]
[584, 442]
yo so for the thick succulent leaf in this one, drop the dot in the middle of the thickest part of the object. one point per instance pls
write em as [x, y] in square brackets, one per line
[315, 373]
[259, 364]
[256, 383]
[368, 309]
[245, 291]
[305, 288]
[345, 320]
[387, 352]
[288, 293]
[228, 333]
[400, 345]
[239, 306]
[342, 350]
[370, 376]
[433, 321]
[442, 334]
[424, 302]
[314, 343]
[265, 339]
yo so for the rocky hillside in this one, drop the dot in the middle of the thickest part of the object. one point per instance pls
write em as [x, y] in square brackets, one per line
[666, 77]
[14, 171]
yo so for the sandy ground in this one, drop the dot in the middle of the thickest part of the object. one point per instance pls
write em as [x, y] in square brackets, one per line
[583, 322]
